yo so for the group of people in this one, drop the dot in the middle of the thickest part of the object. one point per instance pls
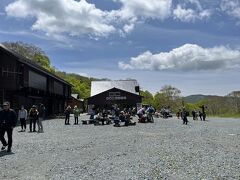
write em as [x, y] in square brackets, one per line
[124, 116]
[165, 112]
[9, 118]
[201, 115]
[68, 111]
[35, 116]
[183, 113]
[145, 114]
[102, 116]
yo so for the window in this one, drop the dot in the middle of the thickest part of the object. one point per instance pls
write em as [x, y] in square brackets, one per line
[58, 88]
[66, 91]
[37, 81]
[9, 71]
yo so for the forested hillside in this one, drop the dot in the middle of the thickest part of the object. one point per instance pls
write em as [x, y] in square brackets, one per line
[194, 98]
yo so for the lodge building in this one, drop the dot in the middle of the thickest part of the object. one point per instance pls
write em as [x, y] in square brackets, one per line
[23, 82]
[105, 94]
[76, 101]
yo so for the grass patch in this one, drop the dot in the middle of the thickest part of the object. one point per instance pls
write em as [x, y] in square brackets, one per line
[227, 115]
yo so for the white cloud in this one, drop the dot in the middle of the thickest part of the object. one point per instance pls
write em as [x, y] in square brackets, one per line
[135, 11]
[187, 57]
[185, 15]
[75, 18]
[189, 15]
[63, 16]
[155, 9]
[231, 7]
[182, 13]
[128, 28]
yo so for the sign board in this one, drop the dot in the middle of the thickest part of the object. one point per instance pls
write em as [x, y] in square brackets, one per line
[113, 96]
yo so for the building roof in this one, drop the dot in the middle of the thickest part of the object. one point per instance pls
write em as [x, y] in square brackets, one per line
[98, 87]
[76, 97]
[32, 64]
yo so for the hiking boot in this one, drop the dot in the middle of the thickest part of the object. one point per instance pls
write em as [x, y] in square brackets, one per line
[3, 147]
[9, 150]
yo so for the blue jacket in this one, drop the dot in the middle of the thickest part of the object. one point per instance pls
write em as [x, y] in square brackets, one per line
[8, 118]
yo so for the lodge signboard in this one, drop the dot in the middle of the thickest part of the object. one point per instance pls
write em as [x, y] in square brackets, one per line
[115, 96]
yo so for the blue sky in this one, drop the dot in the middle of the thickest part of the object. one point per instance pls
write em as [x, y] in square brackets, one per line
[191, 44]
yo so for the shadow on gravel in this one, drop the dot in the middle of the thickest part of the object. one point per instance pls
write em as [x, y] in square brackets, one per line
[20, 131]
[5, 153]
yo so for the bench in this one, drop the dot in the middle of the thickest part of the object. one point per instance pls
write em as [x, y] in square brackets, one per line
[88, 121]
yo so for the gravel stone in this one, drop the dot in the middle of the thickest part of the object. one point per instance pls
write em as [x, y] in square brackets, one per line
[166, 149]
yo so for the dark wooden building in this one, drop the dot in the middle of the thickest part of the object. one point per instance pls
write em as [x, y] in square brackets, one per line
[23, 82]
[76, 101]
[105, 94]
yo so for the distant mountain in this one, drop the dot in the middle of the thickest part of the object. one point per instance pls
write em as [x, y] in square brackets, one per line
[234, 94]
[194, 98]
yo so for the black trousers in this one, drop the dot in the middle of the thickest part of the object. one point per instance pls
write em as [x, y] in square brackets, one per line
[9, 131]
[67, 117]
[32, 123]
[185, 120]
[204, 117]
[76, 120]
[23, 123]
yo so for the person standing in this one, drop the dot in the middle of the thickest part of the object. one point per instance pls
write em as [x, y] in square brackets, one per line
[194, 114]
[76, 113]
[184, 115]
[22, 117]
[203, 112]
[178, 113]
[200, 115]
[67, 115]
[33, 116]
[41, 116]
[8, 120]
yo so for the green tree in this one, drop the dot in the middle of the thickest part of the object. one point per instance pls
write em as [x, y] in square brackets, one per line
[160, 100]
[31, 52]
[147, 97]
[168, 96]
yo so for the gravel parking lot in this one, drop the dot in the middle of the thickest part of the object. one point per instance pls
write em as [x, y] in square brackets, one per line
[166, 149]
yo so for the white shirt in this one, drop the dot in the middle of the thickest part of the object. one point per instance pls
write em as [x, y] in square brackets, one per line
[141, 111]
[22, 114]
